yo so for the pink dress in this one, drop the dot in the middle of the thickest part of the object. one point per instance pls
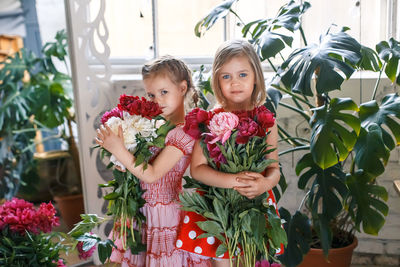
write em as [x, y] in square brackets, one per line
[163, 216]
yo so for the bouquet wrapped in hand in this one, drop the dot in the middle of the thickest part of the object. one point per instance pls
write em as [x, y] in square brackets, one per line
[233, 142]
[144, 132]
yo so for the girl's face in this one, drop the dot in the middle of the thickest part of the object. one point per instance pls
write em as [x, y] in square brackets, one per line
[236, 79]
[169, 96]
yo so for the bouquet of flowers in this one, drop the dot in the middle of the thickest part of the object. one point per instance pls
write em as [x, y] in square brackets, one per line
[233, 142]
[26, 237]
[144, 130]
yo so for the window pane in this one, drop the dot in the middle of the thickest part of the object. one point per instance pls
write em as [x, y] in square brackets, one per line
[176, 22]
[129, 24]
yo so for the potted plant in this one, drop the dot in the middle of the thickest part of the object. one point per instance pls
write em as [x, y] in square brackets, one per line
[35, 95]
[348, 144]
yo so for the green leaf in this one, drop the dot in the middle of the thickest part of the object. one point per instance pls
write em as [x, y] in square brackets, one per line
[371, 152]
[111, 196]
[327, 189]
[105, 249]
[383, 114]
[331, 141]
[221, 250]
[218, 12]
[298, 231]
[367, 206]
[390, 53]
[331, 59]
[369, 60]
[211, 227]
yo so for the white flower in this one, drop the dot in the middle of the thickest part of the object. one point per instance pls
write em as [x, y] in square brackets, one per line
[114, 123]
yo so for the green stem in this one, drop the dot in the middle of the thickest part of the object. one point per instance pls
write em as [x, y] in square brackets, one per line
[272, 65]
[303, 35]
[234, 13]
[377, 81]
[301, 112]
[282, 56]
[294, 138]
[293, 142]
[305, 101]
[306, 147]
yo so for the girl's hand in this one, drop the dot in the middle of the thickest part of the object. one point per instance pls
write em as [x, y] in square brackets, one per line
[109, 140]
[256, 184]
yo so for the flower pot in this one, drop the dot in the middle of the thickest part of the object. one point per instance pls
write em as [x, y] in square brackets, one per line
[70, 207]
[338, 257]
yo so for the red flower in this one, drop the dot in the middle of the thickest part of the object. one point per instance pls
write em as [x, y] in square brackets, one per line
[136, 106]
[265, 117]
[193, 121]
[247, 128]
[214, 151]
[149, 109]
[115, 112]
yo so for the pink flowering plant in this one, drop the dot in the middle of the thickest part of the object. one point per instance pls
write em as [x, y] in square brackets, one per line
[27, 237]
[233, 142]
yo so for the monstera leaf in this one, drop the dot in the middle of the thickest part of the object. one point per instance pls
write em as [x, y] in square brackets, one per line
[331, 141]
[366, 206]
[331, 59]
[326, 185]
[298, 230]
[216, 13]
[371, 112]
[270, 43]
[326, 194]
[371, 152]
[369, 60]
[390, 53]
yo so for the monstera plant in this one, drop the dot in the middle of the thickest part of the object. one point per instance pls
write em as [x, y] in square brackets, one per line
[33, 95]
[349, 144]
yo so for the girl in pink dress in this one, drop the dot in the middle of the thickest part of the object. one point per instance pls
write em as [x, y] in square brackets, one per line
[167, 81]
[238, 85]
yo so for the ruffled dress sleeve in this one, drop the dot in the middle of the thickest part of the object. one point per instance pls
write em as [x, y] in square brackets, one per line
[179, 139]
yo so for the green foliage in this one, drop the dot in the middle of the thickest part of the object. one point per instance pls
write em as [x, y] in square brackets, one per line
[33, 94]
[31, 250]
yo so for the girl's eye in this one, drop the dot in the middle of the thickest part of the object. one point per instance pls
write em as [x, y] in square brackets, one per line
[151, 96]
[226, 76]
[163, 92]
[243, 74]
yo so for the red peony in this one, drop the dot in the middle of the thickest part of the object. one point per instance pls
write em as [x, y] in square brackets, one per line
[115, 112]
[248, 128]
[265, 117]
[149, 109]
[193, 120]
[214, 151]
[129, 104]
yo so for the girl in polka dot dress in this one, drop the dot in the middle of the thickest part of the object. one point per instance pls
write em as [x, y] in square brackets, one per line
[166, 81]
[238, 84]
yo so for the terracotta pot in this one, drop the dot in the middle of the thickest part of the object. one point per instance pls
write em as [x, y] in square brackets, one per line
[70, 207]
[338, 257]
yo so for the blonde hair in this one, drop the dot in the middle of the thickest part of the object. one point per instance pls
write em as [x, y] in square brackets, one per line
[237, 48]
[175, 69]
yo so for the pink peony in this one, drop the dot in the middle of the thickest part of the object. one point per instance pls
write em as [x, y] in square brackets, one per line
[265, 263]
[83, 255]
[221, 126]
[60, 263]
[115, 112]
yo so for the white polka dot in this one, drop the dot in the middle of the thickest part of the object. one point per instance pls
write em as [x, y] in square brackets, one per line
[220, 256]
[192, 234]
[210, 240]
[198, 250]
[278, 250]
[186, 219]
[179, 243]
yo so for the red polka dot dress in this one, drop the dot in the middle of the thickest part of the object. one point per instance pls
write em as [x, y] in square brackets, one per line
[163, 216]
[206, 246]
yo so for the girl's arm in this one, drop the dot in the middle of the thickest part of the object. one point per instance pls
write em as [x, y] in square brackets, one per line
[113, 143]
[200, 171]
[258, 183]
